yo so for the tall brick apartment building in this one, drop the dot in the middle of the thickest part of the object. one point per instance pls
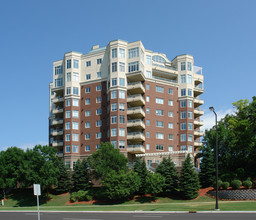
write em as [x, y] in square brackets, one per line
[143, 103]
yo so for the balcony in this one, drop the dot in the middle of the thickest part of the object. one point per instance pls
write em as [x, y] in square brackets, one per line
[198, 102]
[136, 136]
[198, 90]
[135, 76]
[57, 110]
[58, 99]
[136, 100]
[60, 154]
[198, 144]
[57, 121]
[57, 143]
[164, 72]
[138, 123]
[136, 112]
[136, 149]
[198, 112]
[57, 132]
[135, 88]
[198, 134]
[198, 123]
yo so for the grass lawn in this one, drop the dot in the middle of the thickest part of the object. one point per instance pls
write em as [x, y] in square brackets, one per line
[26, 201]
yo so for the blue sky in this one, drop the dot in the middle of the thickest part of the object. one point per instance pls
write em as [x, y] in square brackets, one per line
[219, 34]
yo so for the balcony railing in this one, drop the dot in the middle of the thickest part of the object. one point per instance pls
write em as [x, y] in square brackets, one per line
[165, 79]
[57, 132]
[58, 99]
[136, 87]
[57, 121]
[135, 123]
[136, 149]
[136, 99]
[57, 143]
[139, 136]
[136, 112]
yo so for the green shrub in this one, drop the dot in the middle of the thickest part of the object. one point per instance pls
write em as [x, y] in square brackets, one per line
[219, 184]
[236, 184]
[225, 185]
[80, 196]
[247, 184]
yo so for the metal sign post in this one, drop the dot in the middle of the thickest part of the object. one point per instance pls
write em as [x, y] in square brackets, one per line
[37, 193]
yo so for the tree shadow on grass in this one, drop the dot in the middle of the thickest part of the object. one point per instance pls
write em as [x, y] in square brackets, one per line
[145, 199]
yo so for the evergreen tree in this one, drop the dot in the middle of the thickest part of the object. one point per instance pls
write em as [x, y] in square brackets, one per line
[154, 183]
[167, 169]
[63, 185]
[207, 174]
[81, 176]
[189, 181]
[141, 168]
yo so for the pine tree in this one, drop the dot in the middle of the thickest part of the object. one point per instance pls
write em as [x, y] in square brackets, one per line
[189, 181]
[167, 169]
[63, 184]
[141, 169]
[81, 176]
[207, 174]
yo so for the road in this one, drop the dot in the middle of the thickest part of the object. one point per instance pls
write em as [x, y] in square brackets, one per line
[125, 216]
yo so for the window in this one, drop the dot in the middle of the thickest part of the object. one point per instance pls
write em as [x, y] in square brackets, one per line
[75, 148]
[148, 74]
[159, 147]
[87, 113]
[160, 124]
[190, 137]
[147, 122]
[88, 76]
[170, 125]
[114, 53]
[183, 137]
[99, 61]
[98, 87]
[58, 82]
[170, 114]
[67, 125]
[87, 136]
[183, 78]
[189, 77]
[121, 119]
[114, 94]
[121, 94]
[114, 143]
[114, 67]
[75, 137]
[67, 148]
[87, 124]
[51, 140]
[134, 52]
[170, 136]
[121, 144]
[87, 89]
[68, 64]
[189, 103]
[189, 92]
[159, 89]
[159, 101]
[121, 81]
[68, 77]
[113, 132]
[98, 123]
[189, 66]
[121, 67]
[159, 112]
[99, 74]
[121, 107]
[147, 110]
[75, 113]
[183, 126]
[114, 81]
[88, 63]
[189, 115]
[98, 99]
[75, 77]
[98, 111]
[76, 64]
[147, 86]
[67, 137]
[98, 135]
[122, 132]
[68, 114]
[75, 125]
[67, 164]
[88, 101]
[58, 70]
[183, 115]
[148, 59]
[190, 148]
[183, 104]
[97, 146]
[113, 119]
[75, 90]
[147, 146]
[170, 148]
[134, 66]
[121, 53]
[170, 102]
[183, 66]
[183, 92]
[147, 134]
[159, 135]
[147, 98]
[183, 147]
[75, 102]
[114, 107]
[68, 102]
[189, 126]
[170, 91]
[87, 147]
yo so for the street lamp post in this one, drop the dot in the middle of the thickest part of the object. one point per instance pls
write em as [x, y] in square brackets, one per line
[216, 160]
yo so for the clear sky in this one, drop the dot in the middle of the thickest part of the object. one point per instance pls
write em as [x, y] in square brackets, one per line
[221, 35]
